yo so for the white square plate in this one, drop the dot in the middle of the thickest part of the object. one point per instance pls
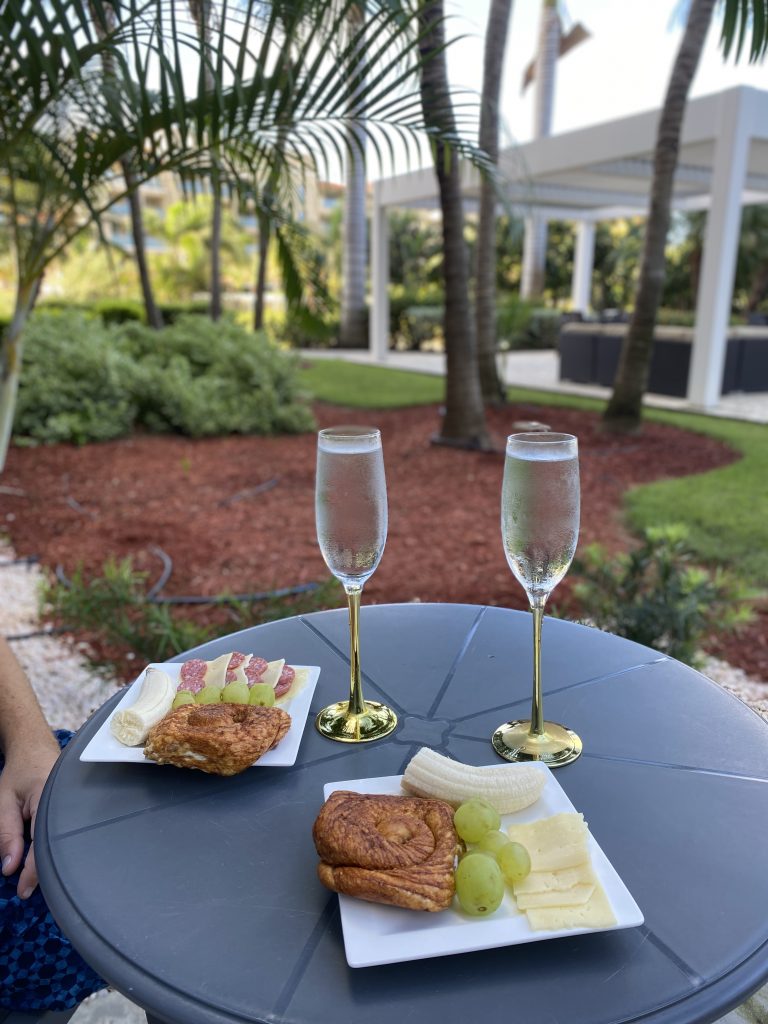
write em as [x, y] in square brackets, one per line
[375, 934]
[105, 747]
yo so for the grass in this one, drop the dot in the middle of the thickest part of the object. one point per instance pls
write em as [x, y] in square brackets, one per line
[724, 509]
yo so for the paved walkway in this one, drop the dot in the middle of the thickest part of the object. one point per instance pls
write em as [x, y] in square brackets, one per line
[540, 370]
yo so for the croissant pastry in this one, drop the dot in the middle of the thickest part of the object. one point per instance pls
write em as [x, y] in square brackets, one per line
[387, 849]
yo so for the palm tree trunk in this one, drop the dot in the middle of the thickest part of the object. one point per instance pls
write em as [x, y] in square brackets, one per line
[624, 411]
[216, 303]
[153, 314]
[353, 328]
[535, 244]
[464, 420]
[485, 287]
[261, 273]
[10, 362]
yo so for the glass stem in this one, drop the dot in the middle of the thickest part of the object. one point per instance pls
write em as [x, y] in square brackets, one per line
[356, 702]
[537, 711]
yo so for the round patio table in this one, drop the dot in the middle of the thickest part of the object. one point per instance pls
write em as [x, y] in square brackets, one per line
[196, 896]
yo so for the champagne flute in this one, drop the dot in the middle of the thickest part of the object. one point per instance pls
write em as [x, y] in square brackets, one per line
[351, 518]
[539, 529]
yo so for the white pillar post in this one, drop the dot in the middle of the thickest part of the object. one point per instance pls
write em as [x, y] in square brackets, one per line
[378, 329]
[583, 263]
[713, 302]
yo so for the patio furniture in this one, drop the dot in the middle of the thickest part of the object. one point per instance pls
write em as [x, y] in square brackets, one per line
[50, 1017]
[197, 896]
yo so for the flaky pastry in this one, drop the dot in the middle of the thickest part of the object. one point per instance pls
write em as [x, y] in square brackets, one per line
[223, 739]
[387, 849]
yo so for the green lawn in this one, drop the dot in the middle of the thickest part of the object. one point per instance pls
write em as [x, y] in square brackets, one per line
[726, 509]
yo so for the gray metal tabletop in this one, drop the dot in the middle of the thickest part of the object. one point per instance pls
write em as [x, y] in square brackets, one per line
[197, 896]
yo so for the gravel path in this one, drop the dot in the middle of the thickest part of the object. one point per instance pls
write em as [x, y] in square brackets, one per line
[69, 691]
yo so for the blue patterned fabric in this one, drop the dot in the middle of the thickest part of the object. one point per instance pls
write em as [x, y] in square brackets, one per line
[39, 969]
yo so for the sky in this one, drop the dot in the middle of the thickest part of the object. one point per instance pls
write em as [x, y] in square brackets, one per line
[622, 69]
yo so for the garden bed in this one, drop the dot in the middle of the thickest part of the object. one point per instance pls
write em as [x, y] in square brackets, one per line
[236, 514]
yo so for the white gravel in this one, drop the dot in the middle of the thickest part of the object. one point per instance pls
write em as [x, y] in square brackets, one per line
[69, 691]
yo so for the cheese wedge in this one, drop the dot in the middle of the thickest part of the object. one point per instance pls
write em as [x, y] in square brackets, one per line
[555, 881]
[272, 672]
[216, 671]
[576, 896]
[595, 913]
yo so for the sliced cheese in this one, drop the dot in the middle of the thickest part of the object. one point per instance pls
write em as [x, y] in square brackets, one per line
[553, 843]
[239, 672]
[216, 671]
[595, 913]
[576, 896]
[555, 881]
[272, 672]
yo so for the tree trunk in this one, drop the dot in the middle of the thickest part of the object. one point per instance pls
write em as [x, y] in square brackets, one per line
[154, 317]
[624, 411]
[353, 330]
[492, 387]
[463, 424]
[216, 215]
[535, 244]
[10, 362]
[261, 273]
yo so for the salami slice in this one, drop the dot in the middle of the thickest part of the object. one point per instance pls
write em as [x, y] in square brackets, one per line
[193, 675]
[284, 683]
[236, 659]
[255, 669]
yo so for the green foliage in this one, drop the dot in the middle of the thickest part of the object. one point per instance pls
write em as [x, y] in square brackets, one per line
[76, 383]
[114, 608]
[656, 596]
[118, 311]
[524, 325]
[86, 381]
[204, 379]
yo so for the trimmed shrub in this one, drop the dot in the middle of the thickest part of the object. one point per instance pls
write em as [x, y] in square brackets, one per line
[205, 379]
[76, 385]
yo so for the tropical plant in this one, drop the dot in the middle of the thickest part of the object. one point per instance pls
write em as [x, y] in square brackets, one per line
[623, 414]
[64, 124]
[492, 387]
[463, 423]
[657, 596]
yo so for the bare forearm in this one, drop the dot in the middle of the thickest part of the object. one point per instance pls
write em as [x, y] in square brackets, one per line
[23, 727]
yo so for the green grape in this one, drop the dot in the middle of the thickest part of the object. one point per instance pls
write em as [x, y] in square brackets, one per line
[474, 818]
[492, 842]
[182, 697]
[262, 695]
[479, 884]
[208, 695]
[514, 862]
[236, 693]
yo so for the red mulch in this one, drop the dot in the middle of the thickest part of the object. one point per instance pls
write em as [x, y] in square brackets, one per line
[195, 500]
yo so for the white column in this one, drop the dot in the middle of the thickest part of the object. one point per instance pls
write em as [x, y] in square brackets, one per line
[378, 329]
[713, 302]
[583, 263]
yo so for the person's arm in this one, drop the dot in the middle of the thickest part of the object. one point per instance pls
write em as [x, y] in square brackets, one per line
[30, 751]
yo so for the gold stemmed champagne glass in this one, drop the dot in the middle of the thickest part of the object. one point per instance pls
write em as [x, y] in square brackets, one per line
[539, 528]
[351, 519]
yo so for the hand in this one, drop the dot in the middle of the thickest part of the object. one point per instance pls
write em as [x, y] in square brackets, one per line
[21, 784]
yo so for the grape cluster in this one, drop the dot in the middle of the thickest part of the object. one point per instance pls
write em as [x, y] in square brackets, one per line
[490, 861]
[260, 694]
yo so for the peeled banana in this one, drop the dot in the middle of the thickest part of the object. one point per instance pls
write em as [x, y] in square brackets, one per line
[507, 787]
[131, 725]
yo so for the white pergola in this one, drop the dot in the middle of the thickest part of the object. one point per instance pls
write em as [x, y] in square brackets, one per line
[604, 172]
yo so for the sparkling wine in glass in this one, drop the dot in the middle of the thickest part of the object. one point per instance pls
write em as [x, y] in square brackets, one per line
[351, 518]
[539, 529]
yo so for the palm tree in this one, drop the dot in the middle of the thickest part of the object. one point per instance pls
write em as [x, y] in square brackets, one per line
[464, 421]
[492, 387]
[151, 310]
[624, 410]
[354, 317]
[64, 125]
[552, 43]
[202, 15]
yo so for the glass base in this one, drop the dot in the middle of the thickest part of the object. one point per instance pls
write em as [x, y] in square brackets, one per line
[337, 723]
[555, 747]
